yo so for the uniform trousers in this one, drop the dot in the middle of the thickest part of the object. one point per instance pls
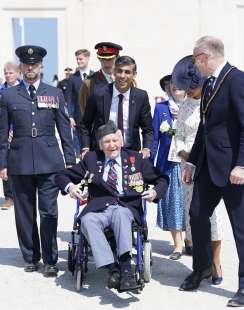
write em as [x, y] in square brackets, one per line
[26, 188]
[206, 196]
[116, 217]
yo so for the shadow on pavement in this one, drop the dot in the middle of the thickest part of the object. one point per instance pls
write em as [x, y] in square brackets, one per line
[11, 257]
[172, 273]
[95, 286]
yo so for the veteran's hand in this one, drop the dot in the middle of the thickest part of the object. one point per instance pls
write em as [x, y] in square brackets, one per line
[187, 175]
[146, 153]
[237, 176]
[4, 174]
[75, 192]
[149, 195]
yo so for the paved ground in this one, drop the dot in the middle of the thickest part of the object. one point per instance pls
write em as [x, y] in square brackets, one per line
[22, 291]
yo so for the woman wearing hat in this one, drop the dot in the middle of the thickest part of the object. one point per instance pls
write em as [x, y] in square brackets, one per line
[170, 215]
[186, 76]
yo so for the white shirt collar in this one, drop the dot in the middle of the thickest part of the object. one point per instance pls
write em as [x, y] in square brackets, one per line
[87, 71]
[36, 84]
[117, 159]
[116, 93]
[218, 70]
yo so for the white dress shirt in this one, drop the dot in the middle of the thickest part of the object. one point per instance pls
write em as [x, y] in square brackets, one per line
[114, 110]
[87, 72]
[36, 85]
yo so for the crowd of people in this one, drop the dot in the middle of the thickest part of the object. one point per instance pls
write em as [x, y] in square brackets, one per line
[190, 149]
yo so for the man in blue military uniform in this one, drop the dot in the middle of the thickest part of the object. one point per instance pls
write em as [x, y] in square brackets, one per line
[33, 108]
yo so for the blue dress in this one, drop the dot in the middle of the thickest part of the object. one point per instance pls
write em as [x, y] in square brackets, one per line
[170, 215]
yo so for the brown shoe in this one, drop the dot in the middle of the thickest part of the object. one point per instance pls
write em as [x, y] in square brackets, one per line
[8, 203]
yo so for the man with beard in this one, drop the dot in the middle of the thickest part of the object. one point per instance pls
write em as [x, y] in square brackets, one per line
[34, 108]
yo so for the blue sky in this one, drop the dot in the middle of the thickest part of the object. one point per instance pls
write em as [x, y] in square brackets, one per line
[42, 32]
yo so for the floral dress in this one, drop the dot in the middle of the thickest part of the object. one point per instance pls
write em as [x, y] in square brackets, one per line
[170, 211]
[186, 130]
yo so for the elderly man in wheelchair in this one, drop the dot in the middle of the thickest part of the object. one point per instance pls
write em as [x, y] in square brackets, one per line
[116, 179]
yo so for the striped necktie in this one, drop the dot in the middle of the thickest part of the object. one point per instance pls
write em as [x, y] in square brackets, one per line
[112, 179]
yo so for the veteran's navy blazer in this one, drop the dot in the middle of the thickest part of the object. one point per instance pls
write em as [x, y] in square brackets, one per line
[101, 194]
[34, 148]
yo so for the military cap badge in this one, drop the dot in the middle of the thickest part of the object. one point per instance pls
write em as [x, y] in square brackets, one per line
[30, 51]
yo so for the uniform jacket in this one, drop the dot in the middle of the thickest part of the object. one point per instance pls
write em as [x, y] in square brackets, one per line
[101, 194]
[221, 139]
[93, 82]
[63, 85]
[162, 141]
[98, 110]
[72, 94]
[34, 148]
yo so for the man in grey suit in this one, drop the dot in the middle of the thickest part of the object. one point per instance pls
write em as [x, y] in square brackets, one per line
[33, 109]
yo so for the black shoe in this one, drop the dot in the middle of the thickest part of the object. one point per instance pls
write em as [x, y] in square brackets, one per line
[127, 282]
[175, 255]
[193, 281]
[114, 279]
[50, 271]
[216, 279]
[188, 249]
[31, 267]
[237, 300]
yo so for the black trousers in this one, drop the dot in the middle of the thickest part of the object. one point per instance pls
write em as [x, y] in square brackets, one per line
[206, 196]
[7, 188]
[26, 188]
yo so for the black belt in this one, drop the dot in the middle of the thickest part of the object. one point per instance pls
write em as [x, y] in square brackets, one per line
[33, 132]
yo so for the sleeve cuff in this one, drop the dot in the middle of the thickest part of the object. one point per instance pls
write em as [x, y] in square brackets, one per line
[66, 189]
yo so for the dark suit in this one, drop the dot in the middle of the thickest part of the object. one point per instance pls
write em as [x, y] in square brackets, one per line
[33, 157]
[98, 110]
[218, 148]
[72, 96]
[101, 193]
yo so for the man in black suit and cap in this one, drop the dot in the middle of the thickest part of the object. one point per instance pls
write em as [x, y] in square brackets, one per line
[116, 184]
[34, 109]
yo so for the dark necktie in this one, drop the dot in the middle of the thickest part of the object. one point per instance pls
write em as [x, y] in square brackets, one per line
[120, 114]
[84, 76]
[209, 90]
[112, 180]
[32, 91]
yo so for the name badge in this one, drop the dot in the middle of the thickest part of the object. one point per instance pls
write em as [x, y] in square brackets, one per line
[48, 102]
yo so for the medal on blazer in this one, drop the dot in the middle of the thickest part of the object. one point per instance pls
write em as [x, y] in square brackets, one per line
[48, 102]
[90, 178]
[100, 166]
[132, 161]
[136, 182]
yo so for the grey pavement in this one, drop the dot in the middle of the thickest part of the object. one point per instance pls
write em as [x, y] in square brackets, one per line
[24, 291]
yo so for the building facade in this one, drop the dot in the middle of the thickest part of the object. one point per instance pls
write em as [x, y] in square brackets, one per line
[156, 33]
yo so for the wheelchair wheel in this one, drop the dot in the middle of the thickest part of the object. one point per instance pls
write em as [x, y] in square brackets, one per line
[147, 261]
[78, 278]
[71, 263]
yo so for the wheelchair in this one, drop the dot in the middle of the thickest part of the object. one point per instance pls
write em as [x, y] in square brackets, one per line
[79, 249]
